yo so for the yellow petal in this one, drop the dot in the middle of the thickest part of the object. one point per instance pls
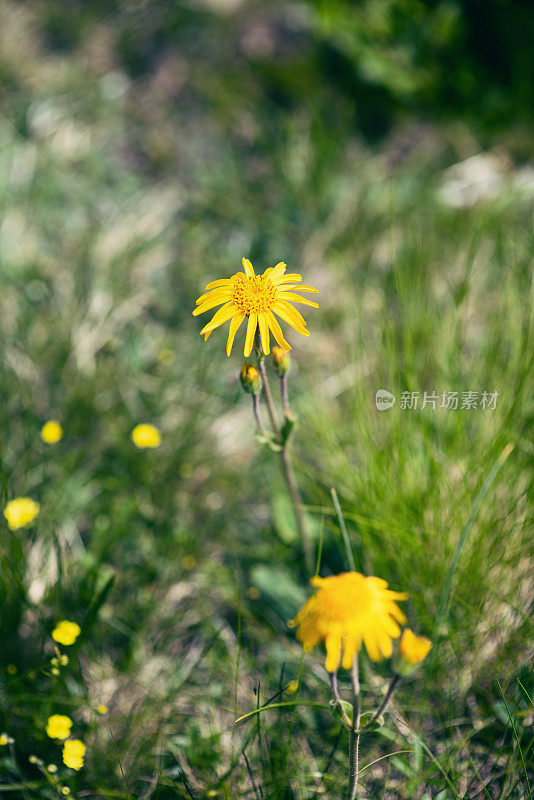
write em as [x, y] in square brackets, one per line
[296, 298]
[277, 331]
[226, 293]
[333, 650]
[289, 277]
[209, 304]
[264, 333]
[247, 266]
[277, 271]
[291, 316]
[220, 282]
[251, 330]
[222, 315]
[234, 325]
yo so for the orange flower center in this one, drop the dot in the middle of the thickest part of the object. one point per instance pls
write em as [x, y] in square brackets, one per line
[345, 597]
[254, 294]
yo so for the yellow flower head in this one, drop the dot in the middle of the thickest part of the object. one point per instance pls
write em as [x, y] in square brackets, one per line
[66, 632]
[58, 726]
[51, 432]
[258, 297]
[20, 512]
[3, 738]
[412, 650]
[73, 753]
[102, 709]
[146, 436]
[349, 609]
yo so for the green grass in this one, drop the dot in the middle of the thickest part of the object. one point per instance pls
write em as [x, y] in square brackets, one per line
[121, 196]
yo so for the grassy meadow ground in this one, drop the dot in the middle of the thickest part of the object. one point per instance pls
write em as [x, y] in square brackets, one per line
[123, 192]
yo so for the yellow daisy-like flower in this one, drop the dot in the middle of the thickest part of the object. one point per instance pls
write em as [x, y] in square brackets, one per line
[58, 726]
[258, 297]
[146, 436]
[51, 432]
[20, 512]
[66, 632]
[73, 753]
[412, 649]
[349, 609]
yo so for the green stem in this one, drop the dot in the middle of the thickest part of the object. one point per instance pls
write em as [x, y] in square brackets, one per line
[287, 466]
[354, 736]
[256, 412]
[337, 698]
[385, 701]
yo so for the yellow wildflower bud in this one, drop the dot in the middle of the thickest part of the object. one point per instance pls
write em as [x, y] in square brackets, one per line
[58, 726]
[51, 432]
[146, 436]
[73, 753]
[52, 768]
[281, 361]
[412, 651]
[66, 632]
[3, 738]
[65, 790]
[250, 378]
[102, 709]
[11, 669]
[20, 512]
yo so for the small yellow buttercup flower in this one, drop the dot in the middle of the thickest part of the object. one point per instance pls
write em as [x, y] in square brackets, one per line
[58, 726]
[347, 610]
[259, 298]
[102, 709]
[66, 632]
[73, 753]
[412, 650]
[20, 512]
[51, 432]
[146, 436]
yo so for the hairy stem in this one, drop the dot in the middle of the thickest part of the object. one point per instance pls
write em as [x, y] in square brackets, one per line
[385, 701]
[337, 698]
[256, 412]
[285, 399]
[354, 736]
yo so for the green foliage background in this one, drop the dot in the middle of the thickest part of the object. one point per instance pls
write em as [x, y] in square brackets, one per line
[144, 149]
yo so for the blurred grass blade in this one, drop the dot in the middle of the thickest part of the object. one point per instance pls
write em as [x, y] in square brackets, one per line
[443, 605]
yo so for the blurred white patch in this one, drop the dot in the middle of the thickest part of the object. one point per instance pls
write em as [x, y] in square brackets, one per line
[41, 571]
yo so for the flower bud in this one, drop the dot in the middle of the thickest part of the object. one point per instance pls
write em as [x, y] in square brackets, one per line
[281, 361]
[412, 651]
[250, 378]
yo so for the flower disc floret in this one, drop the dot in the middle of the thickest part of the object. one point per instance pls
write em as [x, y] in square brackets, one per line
[349, 610]
[259, 298]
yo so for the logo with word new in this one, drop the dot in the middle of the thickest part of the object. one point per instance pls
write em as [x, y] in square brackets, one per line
[384, 400]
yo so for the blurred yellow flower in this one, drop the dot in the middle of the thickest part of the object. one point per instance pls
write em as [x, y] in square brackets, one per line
[256, 297]
[73, 753]
[58, 726]
[102, 709]
[3, 738]
[349, 609]
[20, 512]
[51, 432]
[146, 436]
[66, 632]
[412, 650]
